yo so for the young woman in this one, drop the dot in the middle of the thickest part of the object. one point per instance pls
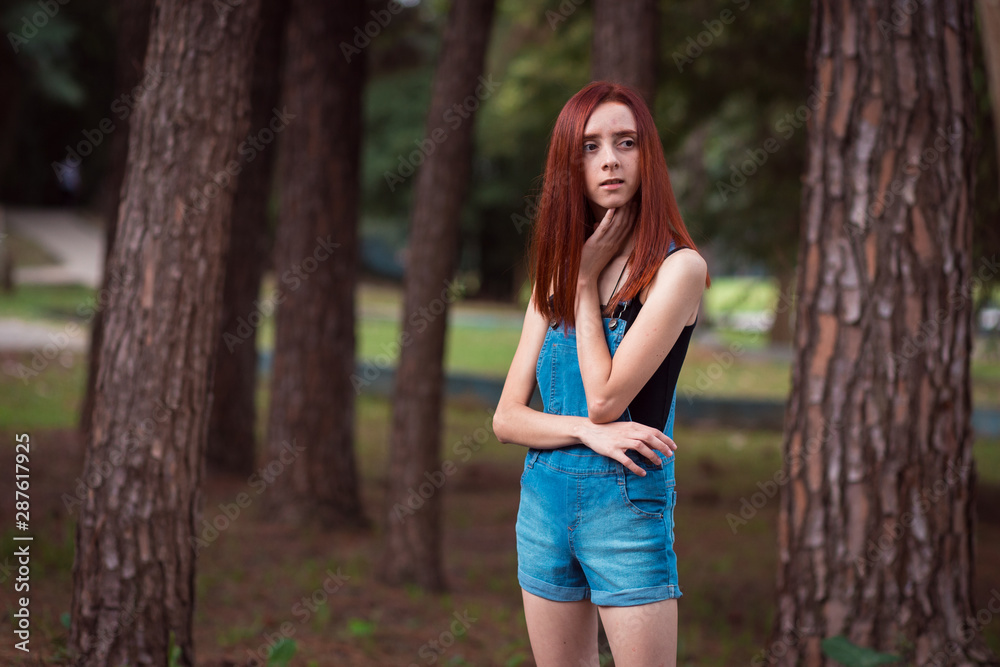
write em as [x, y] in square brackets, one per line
[617, 286]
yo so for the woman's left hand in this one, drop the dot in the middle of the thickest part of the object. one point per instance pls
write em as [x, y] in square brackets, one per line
[606, 240]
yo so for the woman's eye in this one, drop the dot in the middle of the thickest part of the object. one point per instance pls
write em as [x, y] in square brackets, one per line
[628, 143]
[589, 147]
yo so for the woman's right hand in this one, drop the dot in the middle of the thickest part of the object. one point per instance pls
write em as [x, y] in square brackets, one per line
[614, 439]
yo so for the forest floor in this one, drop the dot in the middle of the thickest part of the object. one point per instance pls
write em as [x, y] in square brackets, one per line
[256, 579]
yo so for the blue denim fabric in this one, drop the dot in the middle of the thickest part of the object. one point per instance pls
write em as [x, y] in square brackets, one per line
[587, 527]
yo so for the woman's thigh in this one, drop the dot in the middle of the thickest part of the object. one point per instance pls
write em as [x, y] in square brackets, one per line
[562, 634]
[642, 635]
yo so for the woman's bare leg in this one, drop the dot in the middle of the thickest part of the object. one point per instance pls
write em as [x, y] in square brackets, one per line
[562, 634]
[644, 635]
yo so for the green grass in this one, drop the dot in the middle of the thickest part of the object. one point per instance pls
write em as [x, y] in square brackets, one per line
[468, 349]
[740, 294]
[482, 339]
[50, 399]
[45, 302]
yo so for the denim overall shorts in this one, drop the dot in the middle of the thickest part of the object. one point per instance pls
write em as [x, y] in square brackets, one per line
[587, 527]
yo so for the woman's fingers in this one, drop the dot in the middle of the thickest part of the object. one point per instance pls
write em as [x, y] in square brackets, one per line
[667, 442]
[650, 454]
[630, 464]
[654, 438]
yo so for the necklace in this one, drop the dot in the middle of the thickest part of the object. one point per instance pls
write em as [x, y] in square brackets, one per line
[614, 318]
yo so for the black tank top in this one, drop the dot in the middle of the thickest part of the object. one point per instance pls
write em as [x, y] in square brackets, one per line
[651, 406]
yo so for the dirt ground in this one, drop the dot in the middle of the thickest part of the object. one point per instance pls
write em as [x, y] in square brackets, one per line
[259, 582]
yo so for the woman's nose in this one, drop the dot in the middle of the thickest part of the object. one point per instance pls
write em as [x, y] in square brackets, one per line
[609, 160]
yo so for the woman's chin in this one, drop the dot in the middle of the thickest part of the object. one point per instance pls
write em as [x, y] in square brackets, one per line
[612, 200]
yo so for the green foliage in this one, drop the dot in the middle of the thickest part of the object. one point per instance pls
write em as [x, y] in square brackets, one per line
[360, 627]
[62, 85]
[173, 652]
[515, 660]
[281, 653]
[841, 649]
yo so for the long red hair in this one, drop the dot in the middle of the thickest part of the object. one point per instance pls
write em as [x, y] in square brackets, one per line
[565, 221]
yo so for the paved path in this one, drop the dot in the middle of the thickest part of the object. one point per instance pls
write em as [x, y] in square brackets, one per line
[78, 248]
[17, 335]
[76, 244]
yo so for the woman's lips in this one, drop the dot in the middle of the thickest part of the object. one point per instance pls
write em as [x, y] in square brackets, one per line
[611, 186]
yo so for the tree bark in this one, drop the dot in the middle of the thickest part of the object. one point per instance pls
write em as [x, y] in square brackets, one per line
[625, 44]
[877, 520]
[312, 398]
[134, 573]
[413, 544]
[989, 19]
[783, 326]
[133, 38]
[11, 82]
[232, 425]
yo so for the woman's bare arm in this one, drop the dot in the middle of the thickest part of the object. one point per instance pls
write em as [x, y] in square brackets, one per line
[672, 300]
[517, 423]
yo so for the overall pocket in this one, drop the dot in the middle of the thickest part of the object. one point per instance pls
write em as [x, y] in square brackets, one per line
[648, 496]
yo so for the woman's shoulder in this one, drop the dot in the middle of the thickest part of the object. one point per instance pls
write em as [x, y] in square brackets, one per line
[685, 259]
[682, 268]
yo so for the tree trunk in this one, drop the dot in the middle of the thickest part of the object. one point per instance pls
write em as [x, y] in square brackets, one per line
[877, 516]
[782, 328]
[133, 38]
[413, 545]
[501, 250]
[989, 19]
[625, 44]
[134, 573]
[312, 398]
[11, 83]
[231, 428]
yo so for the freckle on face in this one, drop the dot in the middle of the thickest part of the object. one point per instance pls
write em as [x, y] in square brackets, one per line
[611, 155]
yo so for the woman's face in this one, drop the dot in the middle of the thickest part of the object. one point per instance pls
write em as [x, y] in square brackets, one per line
[610, 157]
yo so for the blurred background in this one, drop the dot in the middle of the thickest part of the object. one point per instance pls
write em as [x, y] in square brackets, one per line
[731, 76]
